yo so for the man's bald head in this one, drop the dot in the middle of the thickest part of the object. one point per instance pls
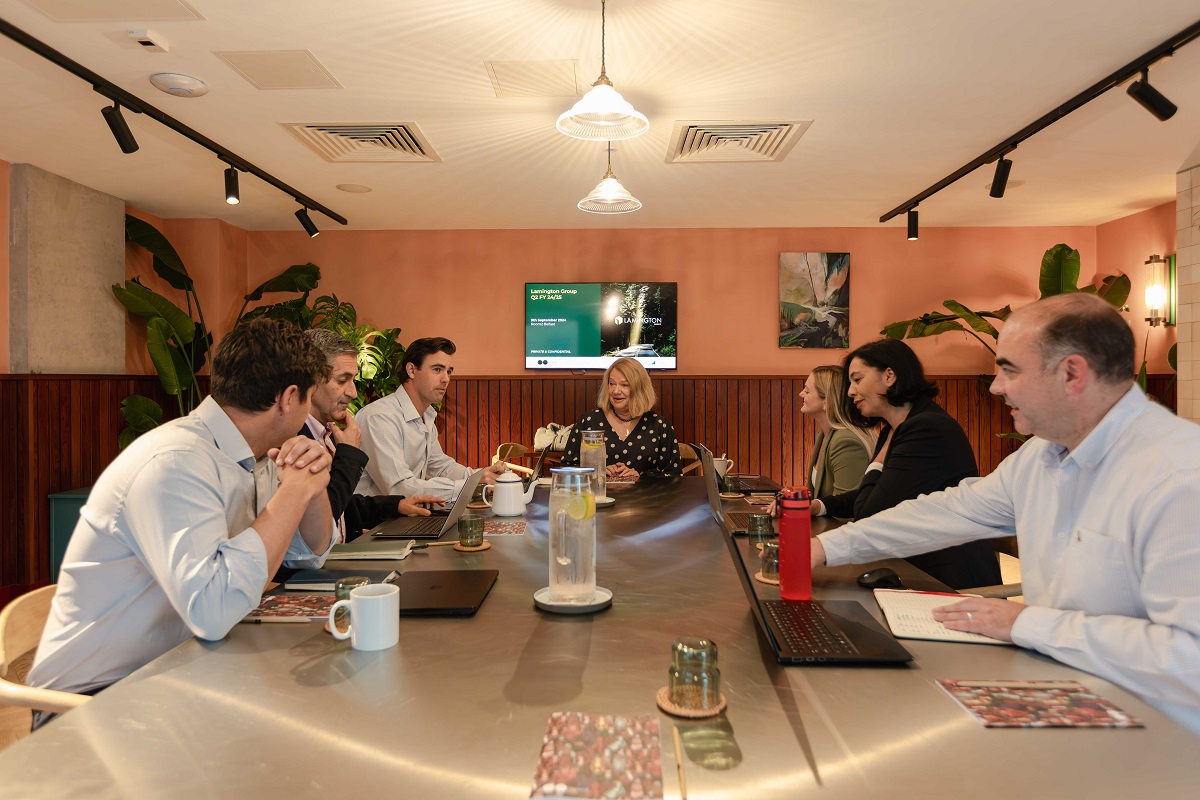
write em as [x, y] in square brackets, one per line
[1079, 324]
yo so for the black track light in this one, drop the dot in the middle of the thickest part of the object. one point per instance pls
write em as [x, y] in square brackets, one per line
[1150, 98]
[309, 228]
[912, 224]
[232, 196]
[1000, 181]
[120, 128]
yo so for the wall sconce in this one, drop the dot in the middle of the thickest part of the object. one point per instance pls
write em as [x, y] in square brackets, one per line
[1161, 290]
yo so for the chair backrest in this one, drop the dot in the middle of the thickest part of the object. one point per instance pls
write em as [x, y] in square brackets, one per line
[691, 460]
[509, 451]
[21, 624]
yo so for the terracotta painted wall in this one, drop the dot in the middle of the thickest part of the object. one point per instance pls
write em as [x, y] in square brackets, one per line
[4, 246]
[1124, 245]
[469, 285]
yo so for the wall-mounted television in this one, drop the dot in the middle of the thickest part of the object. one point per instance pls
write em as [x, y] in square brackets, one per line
[589, 325]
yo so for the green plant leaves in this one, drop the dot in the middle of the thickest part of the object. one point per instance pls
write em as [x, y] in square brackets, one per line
[1172, 356]
[971, 318]
[296, 278]
[151, 305]
[1115, 289]
[1060, 271]
[141, 414]
[167, 262]
[163, 355]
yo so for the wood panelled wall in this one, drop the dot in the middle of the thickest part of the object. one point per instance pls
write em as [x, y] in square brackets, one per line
[58, 432]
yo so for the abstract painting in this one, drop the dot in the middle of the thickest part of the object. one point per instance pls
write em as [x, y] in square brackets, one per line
[814, 300]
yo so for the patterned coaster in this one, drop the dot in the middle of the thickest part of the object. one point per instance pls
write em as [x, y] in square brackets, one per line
[758, 576]
[663, 698]
[503, 527]
[484, 546]
[477, 504]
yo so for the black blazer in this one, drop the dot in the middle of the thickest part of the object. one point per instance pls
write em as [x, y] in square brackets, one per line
[360, 511]
[929, 452]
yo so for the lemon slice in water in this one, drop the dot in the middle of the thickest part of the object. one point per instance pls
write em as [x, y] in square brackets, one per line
[582, 507]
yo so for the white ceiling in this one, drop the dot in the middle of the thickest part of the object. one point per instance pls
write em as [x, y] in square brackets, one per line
[900, 94]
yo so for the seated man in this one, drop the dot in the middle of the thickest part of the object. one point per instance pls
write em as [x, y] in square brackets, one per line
[399, 436]
[1102, 503]
[330, 411]
[177, 538]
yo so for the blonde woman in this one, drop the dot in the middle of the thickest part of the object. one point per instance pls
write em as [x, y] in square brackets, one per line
[842, 450]
[639, 442]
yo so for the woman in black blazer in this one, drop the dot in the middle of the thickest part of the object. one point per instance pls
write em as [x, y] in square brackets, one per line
[921, 449]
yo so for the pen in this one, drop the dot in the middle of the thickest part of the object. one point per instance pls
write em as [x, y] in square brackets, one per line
[392, 576]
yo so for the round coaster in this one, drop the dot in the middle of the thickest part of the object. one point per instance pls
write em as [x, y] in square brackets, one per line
[663, 698]
[731, 495]
[600, 601]
[484, 546]
[604, 502]
[758, 576]
[477, 504]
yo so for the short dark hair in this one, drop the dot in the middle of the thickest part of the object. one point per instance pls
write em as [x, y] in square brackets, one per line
[895, 355]
[421, 349]
[1089, 327]
[331, 343]
[259, 359]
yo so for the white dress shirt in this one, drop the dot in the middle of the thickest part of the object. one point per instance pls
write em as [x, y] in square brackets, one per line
[164, 550]
[406, 458]
[1110, 554]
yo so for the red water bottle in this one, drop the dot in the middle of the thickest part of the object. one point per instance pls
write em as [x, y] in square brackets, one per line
[795, 547]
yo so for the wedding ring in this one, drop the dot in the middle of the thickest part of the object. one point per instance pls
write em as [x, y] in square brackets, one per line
[969, 617]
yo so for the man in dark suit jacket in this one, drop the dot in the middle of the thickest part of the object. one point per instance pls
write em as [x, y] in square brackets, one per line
[332, 423]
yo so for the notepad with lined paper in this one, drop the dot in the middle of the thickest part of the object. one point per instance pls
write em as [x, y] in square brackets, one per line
[910, 616]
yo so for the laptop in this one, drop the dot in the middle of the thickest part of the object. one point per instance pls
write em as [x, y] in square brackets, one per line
[444, 593]
[808, 632]
[733, 522]
[756, 484]
[433, 526]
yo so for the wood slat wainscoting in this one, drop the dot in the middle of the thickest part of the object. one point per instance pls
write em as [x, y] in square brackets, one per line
[58, 432]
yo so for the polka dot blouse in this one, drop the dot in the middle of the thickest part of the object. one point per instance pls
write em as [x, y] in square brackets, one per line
[651, 448]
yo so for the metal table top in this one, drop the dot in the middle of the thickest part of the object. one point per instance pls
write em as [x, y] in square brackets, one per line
[459, 709]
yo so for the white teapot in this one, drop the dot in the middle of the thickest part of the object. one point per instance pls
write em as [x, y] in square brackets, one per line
[507, 499]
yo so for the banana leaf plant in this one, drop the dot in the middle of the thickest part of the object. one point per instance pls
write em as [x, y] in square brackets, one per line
[177, 339]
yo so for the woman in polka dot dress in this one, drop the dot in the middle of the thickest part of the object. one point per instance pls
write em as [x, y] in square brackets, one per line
[640, 443]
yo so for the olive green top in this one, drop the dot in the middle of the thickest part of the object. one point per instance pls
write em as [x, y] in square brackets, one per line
[837, 463]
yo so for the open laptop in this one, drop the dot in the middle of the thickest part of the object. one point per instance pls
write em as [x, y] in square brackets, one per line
[431, 527]
[756, 484]
[444, 593]
[809, 631]
[733, 522]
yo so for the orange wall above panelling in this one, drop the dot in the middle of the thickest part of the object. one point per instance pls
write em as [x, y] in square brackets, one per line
[469, 285]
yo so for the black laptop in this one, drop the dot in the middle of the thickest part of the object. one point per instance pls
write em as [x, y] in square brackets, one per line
[756, 484]
[810, 631]
[431, 527]
[444, 593]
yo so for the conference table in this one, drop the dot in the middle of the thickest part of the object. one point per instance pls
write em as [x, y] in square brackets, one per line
[459, 708]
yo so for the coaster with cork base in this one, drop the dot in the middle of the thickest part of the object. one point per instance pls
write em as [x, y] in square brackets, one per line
[477, 505]
[758, 576]
[663, 698]
[479, 549]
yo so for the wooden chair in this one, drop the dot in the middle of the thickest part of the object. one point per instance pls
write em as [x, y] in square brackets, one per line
[21, 624]
[509, 452]
[691, 460]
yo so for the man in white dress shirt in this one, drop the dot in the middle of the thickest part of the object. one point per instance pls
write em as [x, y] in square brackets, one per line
[178, 538]
[399, 435]
[1104, 504]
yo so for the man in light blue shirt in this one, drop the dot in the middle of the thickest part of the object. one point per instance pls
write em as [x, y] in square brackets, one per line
[177, 538]
[1104, 504]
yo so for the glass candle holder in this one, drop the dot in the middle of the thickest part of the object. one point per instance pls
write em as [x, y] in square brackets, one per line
[770, 561]
[758, 527]
[693, 681]
[470, 530]
[341, 591]
[731, 484]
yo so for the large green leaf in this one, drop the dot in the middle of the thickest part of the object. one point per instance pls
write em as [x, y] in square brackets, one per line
[141, 413]
[1060, 271]
[937, 328]
[151, 305]
[167, 262]
[1172, 356]
[157, 334]
[971, 318]
[296, 278]
[897, 329]
[1143, 379]
[1001, 314]
[201, 346]
[1115, 289]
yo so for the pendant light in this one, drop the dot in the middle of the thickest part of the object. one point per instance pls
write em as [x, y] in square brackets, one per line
[602, 114]
[609, 196]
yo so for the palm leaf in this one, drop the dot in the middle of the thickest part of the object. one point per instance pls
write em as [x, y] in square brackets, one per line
[1115, 289]
[141, 413]
[1172, 356]
[151, 305]
[167, 262]
[157, 334]
[296, 278]
[971, 318]
[1060, 271]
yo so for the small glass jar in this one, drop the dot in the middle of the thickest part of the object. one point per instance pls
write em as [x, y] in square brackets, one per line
[731, 484]
[693, 681]
[758, 527]
[770, 561]
[470, 530]
[341, 591]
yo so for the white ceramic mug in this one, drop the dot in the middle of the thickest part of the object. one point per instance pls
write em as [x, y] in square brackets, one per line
[722, 465]
[374, 617]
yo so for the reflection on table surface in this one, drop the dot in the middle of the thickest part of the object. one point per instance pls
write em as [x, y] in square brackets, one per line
[459, 708]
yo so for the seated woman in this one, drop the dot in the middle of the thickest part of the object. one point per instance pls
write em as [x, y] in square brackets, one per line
[841, 450]
[921, 449]
[639, 443]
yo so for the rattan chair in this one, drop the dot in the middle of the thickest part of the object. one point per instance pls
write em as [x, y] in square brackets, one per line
[21, 624]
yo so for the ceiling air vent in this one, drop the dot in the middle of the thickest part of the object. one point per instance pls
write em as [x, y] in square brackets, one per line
[694, 142]
[383, 141]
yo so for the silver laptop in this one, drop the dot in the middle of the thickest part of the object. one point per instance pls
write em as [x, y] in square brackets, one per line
[732, 523]
[431, 527]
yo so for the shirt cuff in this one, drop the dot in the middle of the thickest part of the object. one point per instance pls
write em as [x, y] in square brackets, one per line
[300, 556]
[1033, 625]
[874, 466]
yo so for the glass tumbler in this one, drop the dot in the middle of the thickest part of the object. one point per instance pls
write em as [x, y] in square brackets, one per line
[572, 536]
[341, 591]
[693, 681]
[758, 527]
[593, 454]
[770, 561]
[470, 530]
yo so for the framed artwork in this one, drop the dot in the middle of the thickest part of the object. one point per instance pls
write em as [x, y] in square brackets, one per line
[814, 300]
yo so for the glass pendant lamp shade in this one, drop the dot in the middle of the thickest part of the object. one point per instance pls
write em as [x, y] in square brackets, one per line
[609, 197]
[602, 115]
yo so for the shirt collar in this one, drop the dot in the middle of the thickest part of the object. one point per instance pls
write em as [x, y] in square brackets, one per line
[315, 427]
[226, 436]
[409, 410]
[1100, 440]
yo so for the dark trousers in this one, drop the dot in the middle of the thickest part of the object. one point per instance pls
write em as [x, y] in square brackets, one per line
[40, 718]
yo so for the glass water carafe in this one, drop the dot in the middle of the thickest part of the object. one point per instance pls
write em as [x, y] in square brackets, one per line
[592, 453]
[572, 536]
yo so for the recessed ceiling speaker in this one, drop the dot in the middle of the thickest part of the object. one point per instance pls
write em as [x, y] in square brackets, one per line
[179, 85]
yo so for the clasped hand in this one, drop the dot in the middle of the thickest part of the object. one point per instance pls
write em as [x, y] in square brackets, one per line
[302, 461]
[620, 472]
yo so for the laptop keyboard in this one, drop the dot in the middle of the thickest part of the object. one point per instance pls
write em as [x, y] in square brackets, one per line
[426, 525]
[806, 629]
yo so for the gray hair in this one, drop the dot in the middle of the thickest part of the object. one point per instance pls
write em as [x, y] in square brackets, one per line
[332, 344]
[1083, 324]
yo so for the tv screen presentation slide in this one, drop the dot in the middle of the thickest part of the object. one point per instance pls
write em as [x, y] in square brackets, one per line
[589, 325]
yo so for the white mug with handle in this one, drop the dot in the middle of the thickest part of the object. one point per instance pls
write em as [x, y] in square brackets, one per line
[722, 466]
[374, 617]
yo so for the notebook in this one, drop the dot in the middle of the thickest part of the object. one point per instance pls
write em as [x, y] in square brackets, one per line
[432, 527]
[809, 632]
[444, 593]
[323, 580]
[910, 616]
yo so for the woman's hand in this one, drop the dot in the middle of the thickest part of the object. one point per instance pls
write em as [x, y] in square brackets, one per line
[620, 472]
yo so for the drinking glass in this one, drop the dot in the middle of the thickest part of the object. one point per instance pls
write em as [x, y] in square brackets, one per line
[572, 536]
[592, 454]
[758, 527]
[770, 561]
[470, 530]
[693, 681]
